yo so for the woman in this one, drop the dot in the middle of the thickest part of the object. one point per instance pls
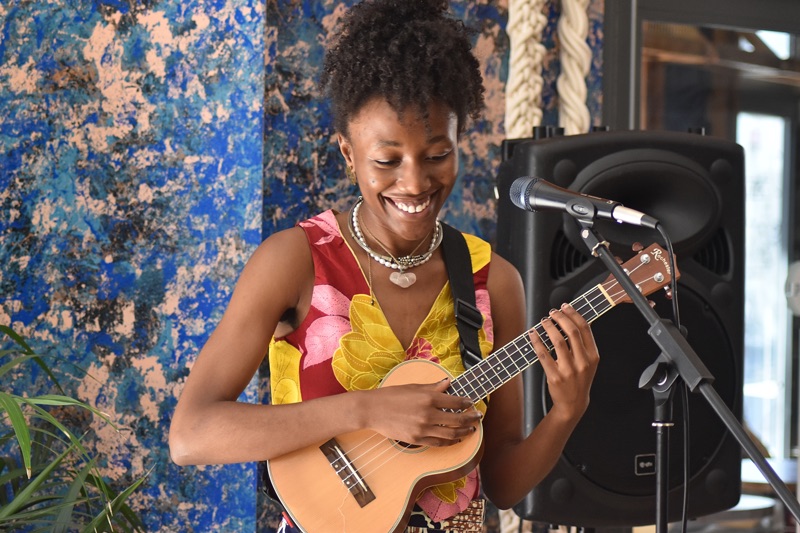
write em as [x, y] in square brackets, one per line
[343, 297]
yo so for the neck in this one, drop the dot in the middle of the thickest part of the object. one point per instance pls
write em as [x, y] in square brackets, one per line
[395, 246]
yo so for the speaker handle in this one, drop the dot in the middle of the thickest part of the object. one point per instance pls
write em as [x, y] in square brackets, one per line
[684, 360]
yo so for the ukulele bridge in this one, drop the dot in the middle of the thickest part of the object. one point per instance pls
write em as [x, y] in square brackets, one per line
[348, 473]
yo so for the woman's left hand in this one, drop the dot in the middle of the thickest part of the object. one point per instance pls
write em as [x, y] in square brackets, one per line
[571, 372]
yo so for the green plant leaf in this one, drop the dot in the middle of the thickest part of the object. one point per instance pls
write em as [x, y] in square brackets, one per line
[71, 498]
[113, 506]
[27, 350]
[23, 497]
[60, 400]
[74, 440]
[47, 493]
[40, 514]
[20, 425]
[16, 337]
[15, 362]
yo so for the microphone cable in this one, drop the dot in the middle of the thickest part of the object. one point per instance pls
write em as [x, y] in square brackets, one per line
[684, 393]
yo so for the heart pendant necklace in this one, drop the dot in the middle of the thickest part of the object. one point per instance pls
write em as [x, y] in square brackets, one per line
[403, 279]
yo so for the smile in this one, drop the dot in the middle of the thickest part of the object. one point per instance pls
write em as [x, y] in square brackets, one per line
[413, 208]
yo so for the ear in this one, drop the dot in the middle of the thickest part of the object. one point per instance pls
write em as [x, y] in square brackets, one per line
[346, 148]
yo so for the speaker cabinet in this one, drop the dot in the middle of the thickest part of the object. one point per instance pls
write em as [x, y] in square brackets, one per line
[694, 185]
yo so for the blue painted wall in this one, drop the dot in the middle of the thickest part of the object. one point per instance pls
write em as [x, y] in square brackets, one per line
[146, 147]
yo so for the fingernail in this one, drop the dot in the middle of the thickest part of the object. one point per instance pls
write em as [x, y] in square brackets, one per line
[565, 306]
[552, 311]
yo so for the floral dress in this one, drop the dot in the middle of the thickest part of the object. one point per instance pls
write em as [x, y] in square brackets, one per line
[345, 343]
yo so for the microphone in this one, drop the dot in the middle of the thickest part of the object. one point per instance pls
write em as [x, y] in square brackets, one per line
[537, 194]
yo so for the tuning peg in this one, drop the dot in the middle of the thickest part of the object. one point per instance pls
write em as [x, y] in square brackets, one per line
[619, 259]
[668, 293]
[652, 304]
[637, 247]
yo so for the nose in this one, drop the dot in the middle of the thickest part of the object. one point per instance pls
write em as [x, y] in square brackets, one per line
[414, 179]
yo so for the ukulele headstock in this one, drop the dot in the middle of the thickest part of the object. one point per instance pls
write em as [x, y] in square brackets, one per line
[649, 269]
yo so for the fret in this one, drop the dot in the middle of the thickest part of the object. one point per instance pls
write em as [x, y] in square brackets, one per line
[456, 389]
[591, 312]
[589, 303]
[543, 336]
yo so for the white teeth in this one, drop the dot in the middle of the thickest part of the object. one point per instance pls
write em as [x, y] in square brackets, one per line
[408, 208]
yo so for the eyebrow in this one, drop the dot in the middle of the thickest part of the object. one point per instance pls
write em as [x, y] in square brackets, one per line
[393, 144]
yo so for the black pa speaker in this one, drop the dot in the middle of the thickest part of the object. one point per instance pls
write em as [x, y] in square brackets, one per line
[694, 185]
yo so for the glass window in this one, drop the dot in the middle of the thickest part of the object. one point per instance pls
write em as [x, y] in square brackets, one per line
[766, 366]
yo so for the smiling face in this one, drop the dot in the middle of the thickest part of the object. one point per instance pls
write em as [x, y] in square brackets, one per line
[406, 166]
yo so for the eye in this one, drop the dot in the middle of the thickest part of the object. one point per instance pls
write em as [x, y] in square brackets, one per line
[385, 162]
[441, 157]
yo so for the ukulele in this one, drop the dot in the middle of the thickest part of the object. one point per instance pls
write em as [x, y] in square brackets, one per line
[363, 482]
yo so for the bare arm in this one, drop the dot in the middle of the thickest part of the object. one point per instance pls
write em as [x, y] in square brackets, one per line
[209, 425]
[513, 464]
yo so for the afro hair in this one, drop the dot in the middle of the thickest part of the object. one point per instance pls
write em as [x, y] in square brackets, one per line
[410, 53]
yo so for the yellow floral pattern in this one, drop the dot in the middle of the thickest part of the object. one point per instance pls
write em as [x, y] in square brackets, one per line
[368, 352]
[284, 374]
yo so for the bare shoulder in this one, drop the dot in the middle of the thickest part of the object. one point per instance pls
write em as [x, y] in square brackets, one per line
[285, 253]
[289, 244]
[503, 277]
[277, 276]
[507, 297]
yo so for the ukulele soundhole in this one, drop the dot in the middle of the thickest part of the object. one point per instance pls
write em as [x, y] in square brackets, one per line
[407, 446]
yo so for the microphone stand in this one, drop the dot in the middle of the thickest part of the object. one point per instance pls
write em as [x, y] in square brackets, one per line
[678, 359]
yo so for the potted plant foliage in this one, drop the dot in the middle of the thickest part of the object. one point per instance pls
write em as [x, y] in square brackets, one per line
[49, 481]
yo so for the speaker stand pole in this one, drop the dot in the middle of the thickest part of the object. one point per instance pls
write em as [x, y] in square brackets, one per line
[660, 377]
[684, 360]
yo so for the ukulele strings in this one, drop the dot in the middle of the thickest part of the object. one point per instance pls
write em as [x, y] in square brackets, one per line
[612, 292]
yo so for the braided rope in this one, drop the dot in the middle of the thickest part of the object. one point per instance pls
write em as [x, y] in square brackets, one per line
[576, 59]
[526, 21]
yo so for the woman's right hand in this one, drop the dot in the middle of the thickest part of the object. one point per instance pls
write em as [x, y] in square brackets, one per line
[420, 414]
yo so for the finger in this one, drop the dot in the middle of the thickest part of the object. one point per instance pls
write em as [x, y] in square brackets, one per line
[560, 328]
[572, 353]
[462, 422]
[536, 335]
[447, 435]
[442, 385]
[576, 321]
[449, 400]
[587, 344]
[464, 419]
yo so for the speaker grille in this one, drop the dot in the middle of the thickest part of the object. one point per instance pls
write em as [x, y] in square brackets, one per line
[716, 254]
[565, 258]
